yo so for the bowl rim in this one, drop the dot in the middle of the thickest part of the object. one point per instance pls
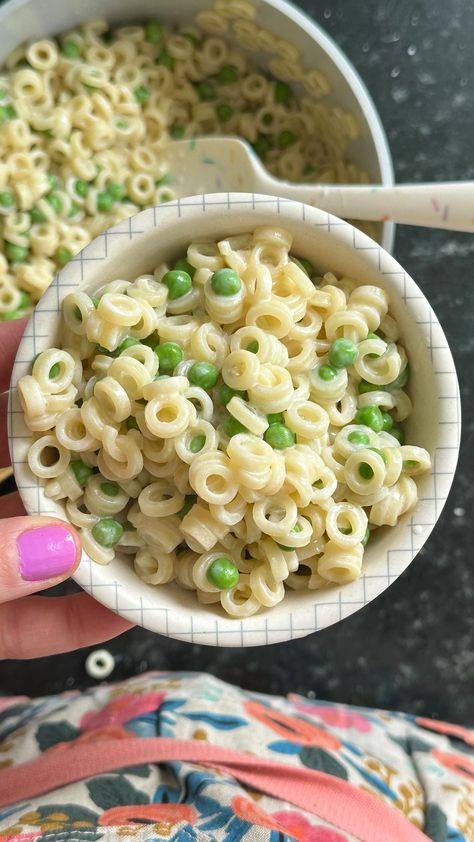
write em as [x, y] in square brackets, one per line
[342, 601]
[347, 69]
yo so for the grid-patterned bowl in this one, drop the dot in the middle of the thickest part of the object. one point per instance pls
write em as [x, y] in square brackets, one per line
[136, 246]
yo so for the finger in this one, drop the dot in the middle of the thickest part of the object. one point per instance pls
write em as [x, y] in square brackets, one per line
[36, 553]
[10, 335]
[40, 625]
[11, 505]
[4, 451]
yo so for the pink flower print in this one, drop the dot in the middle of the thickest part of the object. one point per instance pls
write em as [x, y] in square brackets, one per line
[337, 717]
[121, 710]
[300, 828]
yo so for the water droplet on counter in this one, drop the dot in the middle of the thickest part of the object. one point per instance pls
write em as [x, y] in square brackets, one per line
[414, 20]
[459, 511]
[399, 95]
[417, 529]
[327, 13]
[411, 50]
[395, 71]
[365, 47]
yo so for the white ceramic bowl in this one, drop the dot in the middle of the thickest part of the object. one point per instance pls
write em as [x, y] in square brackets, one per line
[21, 20]
[138, 245]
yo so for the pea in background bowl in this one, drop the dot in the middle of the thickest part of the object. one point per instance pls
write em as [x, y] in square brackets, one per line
[22, 20]
[137, 245]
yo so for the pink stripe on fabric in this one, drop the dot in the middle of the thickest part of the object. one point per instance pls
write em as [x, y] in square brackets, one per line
[333, 799]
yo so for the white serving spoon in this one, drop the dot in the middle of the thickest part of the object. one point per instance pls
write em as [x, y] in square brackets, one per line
[216, 164]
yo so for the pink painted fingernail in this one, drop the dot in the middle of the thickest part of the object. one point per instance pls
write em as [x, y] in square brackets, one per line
[46, 552]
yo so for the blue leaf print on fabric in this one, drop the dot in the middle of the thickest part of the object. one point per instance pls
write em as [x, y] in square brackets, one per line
[143, 726]
[322, 761]
[220, 819]
[172, 704]
[166, 795]
[217, 720]
[285, 747]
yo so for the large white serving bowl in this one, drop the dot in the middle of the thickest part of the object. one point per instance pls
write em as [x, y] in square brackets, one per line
[21, 20]
[163, 233]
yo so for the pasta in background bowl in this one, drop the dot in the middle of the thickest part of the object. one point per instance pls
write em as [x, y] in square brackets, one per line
[162, 235]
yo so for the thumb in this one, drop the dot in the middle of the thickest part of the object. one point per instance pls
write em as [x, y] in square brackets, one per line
[35, 553]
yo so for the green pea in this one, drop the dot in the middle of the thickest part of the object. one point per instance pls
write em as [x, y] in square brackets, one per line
[166, 197]
[179, 283]
[12, 315]
[232, 427]
[54, 371]
[189, 502]
[121, 124]
[3, 94]
[364, 387]
[366, 537]
[75, 209]
[197, 443]
[410, 464]
[169, 354]
[55, 201]
[346, 530]
[81, 471]
[398, 434]
[52, 181]
[104, 201]
[70, 49]
[282, 92]
[129, 527]
[11, 112]
[141, 94]
[205, 91]
[356, 437]
[306, 266]
[153, 31]
[7, 199]
[370, 416]
[192, 38]
[342, 353]
[63, 256]
[117, 191]
[131, 423]
[177, 132]
[387, 422]
[128, 342]
[223, 574]
[25, 300]
[16, 254]
[224, 112]
[279, 436]
[318, 484]
[371, 335]
[226, 394]
[309, 169]
[184, 266]
[95, 301]
[399, 381]
[226, 282]
[107, 532]
[262, 145]
[227, 74]
[204, 375]
[111, 489]
[47, 133]
[267, 119]
[327, 372]
[165, 59]
[78, 316]
[82, 187]
[276, 418]
[365, 471]
[7, 112]
[285, 139]
[253, 347]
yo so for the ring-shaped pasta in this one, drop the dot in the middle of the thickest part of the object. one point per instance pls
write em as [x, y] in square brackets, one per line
[212, 478]
[240, 370]
[276, 516]
[119, 309]
[72, 433]
[168, 416]
[160, 499]
[153, 567]
[98, 499]
[113, 398]
[352, 473]
[47, 458]
[354, 519]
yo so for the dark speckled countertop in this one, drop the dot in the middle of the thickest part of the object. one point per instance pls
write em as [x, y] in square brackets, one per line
[413, 647]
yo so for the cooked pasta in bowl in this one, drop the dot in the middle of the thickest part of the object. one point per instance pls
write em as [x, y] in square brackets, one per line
[235, 404]
[91, 94]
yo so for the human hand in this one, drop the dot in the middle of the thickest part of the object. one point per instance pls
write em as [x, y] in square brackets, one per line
[37, 553]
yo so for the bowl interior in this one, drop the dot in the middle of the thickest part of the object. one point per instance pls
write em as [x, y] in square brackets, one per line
[161, 233]
[21, 20]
